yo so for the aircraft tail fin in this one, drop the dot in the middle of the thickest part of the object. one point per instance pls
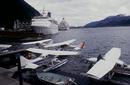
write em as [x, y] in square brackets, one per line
[80, 46]
[25, 63]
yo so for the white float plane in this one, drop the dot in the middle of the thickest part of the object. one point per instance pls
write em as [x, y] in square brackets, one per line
[43, 54]
[106, 66]
[30, 63]
[66, 45]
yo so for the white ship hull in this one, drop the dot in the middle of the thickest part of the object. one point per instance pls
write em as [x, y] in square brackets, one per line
[44, 26]
[63, 25]
[45, 30]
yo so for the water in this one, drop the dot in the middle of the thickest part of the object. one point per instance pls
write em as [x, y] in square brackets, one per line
[98, 41]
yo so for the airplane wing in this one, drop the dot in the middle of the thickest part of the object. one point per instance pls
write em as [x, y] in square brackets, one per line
[52, 52]
[103, 66]
[35, 42]
[61, 43]
[94, 60]
[5, 46]
[112, 54]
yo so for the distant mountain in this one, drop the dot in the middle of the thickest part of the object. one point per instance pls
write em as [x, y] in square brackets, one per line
[119, 20]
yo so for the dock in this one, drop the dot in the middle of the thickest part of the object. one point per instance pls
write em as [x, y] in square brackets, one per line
[5, 78]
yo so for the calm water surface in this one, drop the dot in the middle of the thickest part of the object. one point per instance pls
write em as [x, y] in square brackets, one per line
[99, 40]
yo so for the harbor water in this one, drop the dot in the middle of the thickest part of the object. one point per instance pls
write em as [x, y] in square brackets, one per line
[97, 41]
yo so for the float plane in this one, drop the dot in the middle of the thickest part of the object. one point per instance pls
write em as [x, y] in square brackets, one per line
[44, 52]
[67, 45]
[105, 67]
[30, 63]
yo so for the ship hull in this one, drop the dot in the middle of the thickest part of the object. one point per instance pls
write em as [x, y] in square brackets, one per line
[45, 30]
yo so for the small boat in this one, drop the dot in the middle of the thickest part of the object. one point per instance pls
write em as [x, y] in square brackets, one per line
[55, 79]
[44, 24]
[63, 25]
[116, 72]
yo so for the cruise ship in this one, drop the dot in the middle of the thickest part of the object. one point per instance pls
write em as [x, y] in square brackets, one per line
[63, 25]
[44, 24]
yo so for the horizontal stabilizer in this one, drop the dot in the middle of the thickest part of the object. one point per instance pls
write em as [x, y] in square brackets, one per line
[25, 63]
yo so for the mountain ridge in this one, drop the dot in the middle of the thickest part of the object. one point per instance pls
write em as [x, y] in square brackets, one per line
[111, 21]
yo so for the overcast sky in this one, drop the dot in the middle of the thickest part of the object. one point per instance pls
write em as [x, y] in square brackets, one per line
[81, 12]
